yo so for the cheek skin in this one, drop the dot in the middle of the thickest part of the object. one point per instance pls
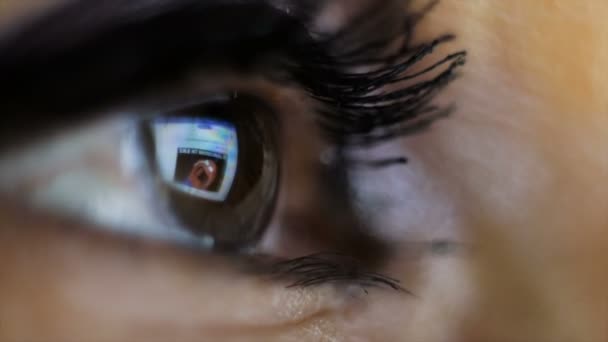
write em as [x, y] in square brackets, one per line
[64, 282]
[526, 156]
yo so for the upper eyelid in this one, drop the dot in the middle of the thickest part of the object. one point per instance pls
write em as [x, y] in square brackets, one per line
[108, 78]
[46, 78]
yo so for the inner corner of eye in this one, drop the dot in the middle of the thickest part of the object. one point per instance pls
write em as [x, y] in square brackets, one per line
[216, 166]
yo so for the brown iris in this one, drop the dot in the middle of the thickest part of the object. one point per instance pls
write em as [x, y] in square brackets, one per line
[240, 219]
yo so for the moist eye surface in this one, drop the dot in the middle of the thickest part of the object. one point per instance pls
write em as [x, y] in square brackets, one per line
[216, 168]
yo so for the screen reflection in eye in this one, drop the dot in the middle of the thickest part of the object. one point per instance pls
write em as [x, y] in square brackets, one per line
[201, 154]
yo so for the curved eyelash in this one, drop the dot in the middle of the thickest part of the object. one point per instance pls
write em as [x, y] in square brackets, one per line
[323, 268]
[392, 99]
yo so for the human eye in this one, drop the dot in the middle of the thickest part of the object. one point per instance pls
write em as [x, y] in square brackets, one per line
[246, 153]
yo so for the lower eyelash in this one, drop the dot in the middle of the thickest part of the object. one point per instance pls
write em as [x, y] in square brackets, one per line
[323, 268]
[356, 108]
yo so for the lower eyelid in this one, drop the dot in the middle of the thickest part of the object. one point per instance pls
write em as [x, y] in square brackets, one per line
[123, 282]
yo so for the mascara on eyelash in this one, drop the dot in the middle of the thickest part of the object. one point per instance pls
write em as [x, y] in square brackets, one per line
[359, 108]
[323, 268]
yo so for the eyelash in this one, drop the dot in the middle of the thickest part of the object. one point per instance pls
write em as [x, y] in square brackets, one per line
[350, 112]
[324, 268]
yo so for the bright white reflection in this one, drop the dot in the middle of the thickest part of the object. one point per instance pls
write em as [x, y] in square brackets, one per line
[197, 155]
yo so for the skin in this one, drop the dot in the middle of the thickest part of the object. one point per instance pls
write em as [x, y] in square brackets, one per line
[515, 181]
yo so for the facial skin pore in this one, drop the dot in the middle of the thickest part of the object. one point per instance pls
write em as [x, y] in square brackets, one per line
[519, 172]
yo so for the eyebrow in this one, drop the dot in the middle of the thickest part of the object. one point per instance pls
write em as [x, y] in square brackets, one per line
[88, 54]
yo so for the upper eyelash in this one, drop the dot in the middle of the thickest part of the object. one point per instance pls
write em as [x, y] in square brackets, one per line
[351, 111]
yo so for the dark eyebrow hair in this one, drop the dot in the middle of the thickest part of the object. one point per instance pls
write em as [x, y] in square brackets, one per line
[88, 54]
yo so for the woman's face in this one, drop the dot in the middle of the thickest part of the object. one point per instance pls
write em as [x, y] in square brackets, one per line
[495, 228]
